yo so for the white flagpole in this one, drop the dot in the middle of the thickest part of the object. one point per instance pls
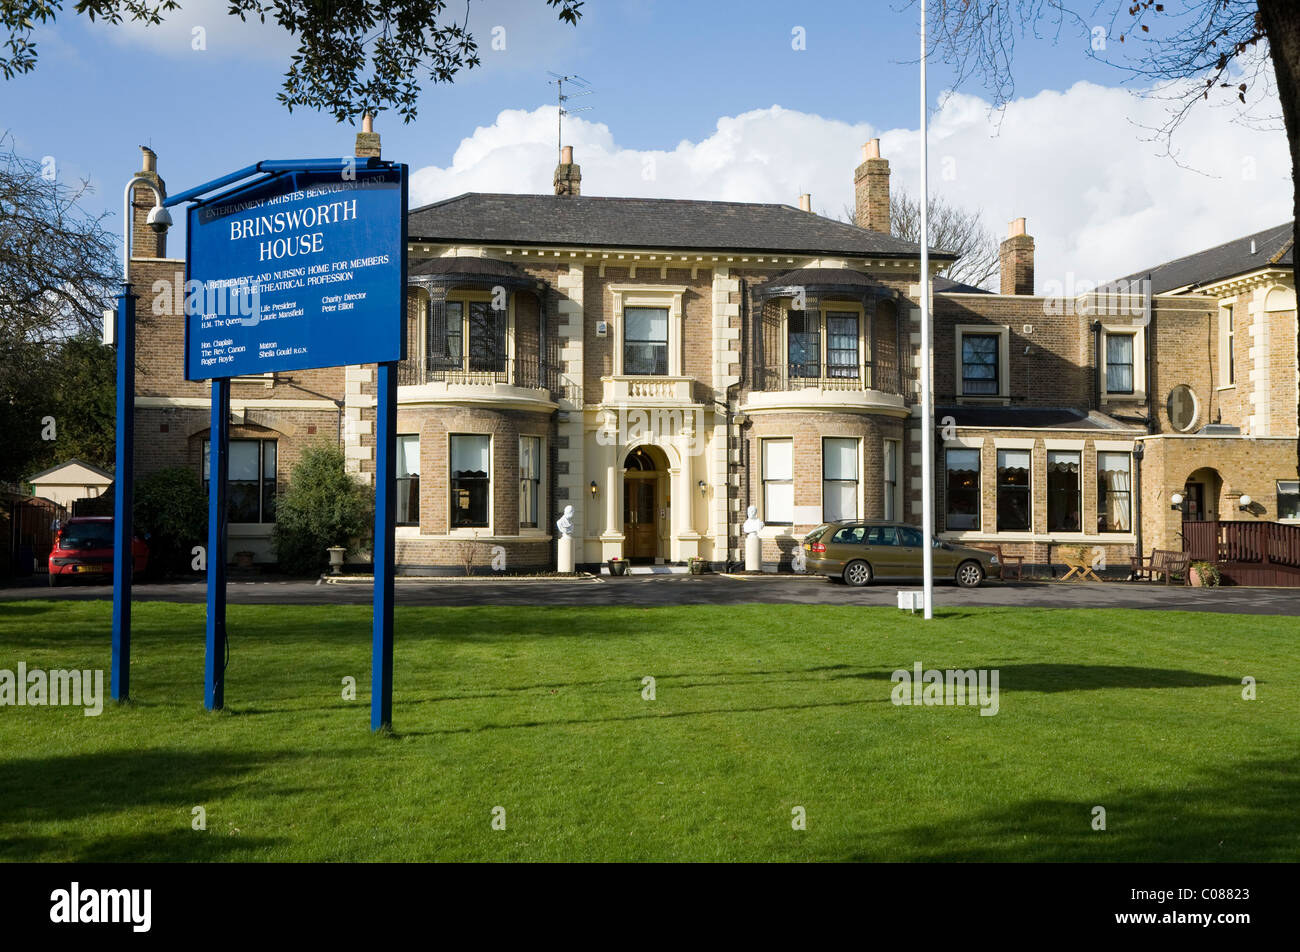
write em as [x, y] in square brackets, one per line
[927, 407]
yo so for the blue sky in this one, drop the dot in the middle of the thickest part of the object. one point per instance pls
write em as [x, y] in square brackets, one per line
[691, 83]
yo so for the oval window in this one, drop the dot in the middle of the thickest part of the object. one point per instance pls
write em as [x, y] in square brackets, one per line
[1182, 407]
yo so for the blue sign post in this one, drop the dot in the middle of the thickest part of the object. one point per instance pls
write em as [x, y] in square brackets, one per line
[123, 497]
[304, 267]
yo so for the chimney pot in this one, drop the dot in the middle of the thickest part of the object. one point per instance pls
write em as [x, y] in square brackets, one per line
[148, 159]
[805, 201]
[367, 139]
[871, 190]
[1016, 260]
[568, 176]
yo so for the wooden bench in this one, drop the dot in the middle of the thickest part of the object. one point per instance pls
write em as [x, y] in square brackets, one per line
[1009, 564]
[1161, 562]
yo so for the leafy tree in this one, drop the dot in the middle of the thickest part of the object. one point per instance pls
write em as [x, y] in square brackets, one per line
[172, 509]
[323, 506]
[1223, 47]
[57, 269]
[353, 57]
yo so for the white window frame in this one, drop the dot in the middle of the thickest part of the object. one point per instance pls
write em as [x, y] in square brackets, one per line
[469, 532]
[1227, 346]
[1003, 332]
[893, 501]
[1278, 488]
[843, 307]
[857, 479]
[1139, 363]
[464, 296]
[649, 295]
[763, 480]
[542, 488]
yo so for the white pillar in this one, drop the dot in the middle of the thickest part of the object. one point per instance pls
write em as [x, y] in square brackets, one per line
[566, 553]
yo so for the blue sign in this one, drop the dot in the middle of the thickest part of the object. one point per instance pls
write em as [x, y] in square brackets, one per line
[301, 270]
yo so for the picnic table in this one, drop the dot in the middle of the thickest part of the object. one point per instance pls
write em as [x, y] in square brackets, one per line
[1079, 563]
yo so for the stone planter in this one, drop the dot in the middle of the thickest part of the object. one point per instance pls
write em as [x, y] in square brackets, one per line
[336, 559]
[696, 566]
[617, 566]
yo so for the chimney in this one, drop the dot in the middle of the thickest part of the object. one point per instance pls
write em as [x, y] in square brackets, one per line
[568, 177]
[1016, 256]
[367, 139]
[145, 243]
[805, 201]
[871, 190]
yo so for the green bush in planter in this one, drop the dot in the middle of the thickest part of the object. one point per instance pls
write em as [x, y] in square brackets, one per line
[324, 505]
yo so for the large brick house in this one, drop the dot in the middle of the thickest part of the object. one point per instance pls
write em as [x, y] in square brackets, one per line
[660, 365]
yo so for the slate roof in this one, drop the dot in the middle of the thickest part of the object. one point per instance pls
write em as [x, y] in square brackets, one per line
[1029, 418]
[470, 266]
[647, 223]
[1273, 247]
[948, 285]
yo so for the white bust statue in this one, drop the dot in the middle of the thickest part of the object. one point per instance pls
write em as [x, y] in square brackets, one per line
[565, 522]
[753, 524]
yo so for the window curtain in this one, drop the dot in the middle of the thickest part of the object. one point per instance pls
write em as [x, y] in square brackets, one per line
[1119, 363]
[1114, 479]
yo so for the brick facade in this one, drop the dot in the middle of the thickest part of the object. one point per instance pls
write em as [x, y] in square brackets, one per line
[1050, 357]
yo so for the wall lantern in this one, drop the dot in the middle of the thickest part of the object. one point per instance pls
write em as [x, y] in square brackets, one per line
[1245, 502]
[703, 488]
[1176, 502]
[593, 487]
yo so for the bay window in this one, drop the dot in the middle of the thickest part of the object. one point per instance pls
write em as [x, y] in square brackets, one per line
[471, 481]
[530, 481]
[839, 479]
[407, 512]
[778, 482]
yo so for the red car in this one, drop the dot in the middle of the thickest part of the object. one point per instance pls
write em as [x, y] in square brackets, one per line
[83, 546]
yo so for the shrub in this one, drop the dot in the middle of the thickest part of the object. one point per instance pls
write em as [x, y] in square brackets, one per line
[171, 509]
[323, 506]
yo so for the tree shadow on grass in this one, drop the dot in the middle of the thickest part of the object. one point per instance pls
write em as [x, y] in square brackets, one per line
[578, 721]
[1244, 812]
[1054, 678]
[80, 790]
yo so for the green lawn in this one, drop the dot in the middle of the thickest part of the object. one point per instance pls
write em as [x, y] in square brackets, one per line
[759, 709]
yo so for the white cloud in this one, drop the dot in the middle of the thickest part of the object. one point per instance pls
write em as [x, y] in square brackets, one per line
[205, 28]
[1100, 198]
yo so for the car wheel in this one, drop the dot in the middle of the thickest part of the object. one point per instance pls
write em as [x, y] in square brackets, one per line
[857, 573]
[970, 574]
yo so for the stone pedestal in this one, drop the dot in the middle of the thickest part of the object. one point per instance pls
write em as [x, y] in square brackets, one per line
[566, 553]
[753, 553]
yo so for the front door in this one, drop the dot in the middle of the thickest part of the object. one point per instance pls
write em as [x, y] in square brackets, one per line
[1194, 502]
[640, 531]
